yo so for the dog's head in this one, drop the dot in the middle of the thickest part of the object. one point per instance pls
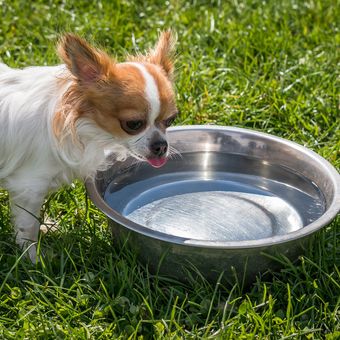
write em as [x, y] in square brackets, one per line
[134, 101]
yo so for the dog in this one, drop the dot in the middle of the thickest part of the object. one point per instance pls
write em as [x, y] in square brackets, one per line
[58, 122]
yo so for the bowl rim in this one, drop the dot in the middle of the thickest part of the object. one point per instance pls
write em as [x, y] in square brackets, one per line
[309, 229]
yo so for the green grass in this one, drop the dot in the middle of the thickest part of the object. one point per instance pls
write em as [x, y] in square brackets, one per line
[267, 65]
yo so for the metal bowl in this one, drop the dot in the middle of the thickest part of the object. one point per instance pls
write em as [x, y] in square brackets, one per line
[230, 202]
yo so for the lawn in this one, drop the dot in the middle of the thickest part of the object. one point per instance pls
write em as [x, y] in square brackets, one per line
[271, 66]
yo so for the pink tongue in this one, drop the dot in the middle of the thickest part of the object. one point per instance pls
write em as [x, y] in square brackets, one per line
[157, 162]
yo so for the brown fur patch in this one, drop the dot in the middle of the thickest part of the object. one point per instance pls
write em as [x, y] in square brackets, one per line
[120, 97]
[107, 92]
[83, 60]
[163, 53]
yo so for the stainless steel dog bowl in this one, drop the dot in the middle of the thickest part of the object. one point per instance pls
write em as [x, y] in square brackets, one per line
[231, 198]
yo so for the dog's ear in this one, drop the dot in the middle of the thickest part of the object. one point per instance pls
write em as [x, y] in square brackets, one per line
[85, 62]
[164, 52]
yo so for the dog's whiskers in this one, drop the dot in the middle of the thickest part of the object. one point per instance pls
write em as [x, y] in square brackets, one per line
[174, 153]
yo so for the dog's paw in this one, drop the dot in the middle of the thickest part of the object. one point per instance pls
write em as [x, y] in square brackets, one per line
[48, 226]
[29, 251]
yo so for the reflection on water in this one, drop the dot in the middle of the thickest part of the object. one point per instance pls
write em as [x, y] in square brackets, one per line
[217, 215]
[212, 203]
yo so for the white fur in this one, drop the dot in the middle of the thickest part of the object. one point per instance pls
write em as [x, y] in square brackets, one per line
[139, 144]
[151, 91]
[32, 162]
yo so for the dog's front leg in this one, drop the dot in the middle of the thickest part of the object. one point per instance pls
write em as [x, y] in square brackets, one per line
[26, 205]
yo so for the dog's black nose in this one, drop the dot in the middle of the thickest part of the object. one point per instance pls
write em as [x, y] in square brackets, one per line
[159, 148]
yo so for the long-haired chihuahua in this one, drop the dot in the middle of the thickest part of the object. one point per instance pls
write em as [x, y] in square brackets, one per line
[57, 122]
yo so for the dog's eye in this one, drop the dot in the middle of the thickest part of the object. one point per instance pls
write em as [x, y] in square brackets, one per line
[133, 127]
[170, 120]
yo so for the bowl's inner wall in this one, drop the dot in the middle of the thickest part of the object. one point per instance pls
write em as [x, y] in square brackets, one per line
[216, 196]
[263, 150]
[259, 161]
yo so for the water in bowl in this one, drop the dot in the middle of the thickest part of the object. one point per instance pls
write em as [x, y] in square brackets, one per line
[218, 205]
